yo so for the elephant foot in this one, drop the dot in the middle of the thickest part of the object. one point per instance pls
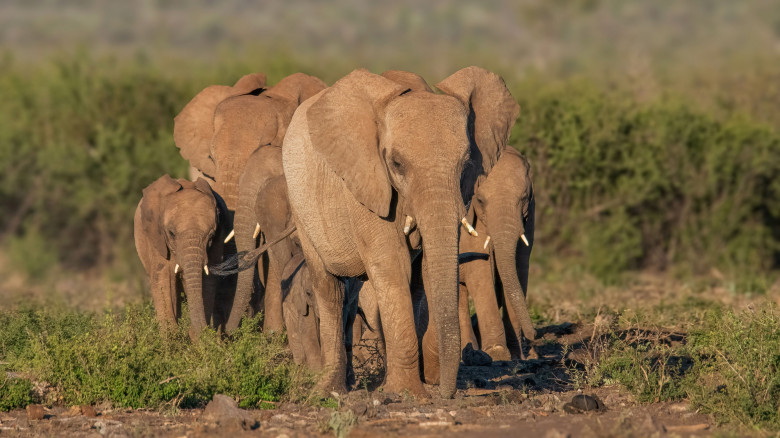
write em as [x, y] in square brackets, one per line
[330, 383]
[400, 384]
[498, 353]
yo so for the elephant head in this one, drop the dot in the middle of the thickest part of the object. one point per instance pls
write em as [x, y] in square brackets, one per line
[383, 137]
[504, 202]
[222, 126]
[181, 219]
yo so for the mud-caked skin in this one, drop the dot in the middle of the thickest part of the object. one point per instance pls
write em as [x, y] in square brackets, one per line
[179, 226]
[359, 158]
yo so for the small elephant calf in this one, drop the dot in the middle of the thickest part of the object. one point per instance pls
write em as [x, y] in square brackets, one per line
[301, 317]
[179, 228]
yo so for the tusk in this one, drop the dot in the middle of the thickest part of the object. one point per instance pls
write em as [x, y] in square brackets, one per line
[486, 243]
[408, 224]
[468, 226]
[230, 236]
[525, 240]
[257, 231]
[176, 269]
[206, 269]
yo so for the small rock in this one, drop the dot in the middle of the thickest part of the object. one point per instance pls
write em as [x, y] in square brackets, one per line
[359, 409]
[475, 358]
[224, 410]
[35, 412]
[555, 433]
[583, 403]
[88, 411]
[453, 413]
[376, 403]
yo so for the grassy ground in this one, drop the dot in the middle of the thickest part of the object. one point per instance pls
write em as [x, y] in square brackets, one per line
[659, 339]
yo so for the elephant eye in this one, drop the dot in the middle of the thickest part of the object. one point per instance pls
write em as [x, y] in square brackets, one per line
[171, 233]
[397, 164]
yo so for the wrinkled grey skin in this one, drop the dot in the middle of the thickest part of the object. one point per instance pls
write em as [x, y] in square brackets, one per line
[361, 156]
[181, 222]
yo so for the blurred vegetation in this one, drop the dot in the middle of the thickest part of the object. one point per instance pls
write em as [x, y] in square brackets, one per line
[87, 358]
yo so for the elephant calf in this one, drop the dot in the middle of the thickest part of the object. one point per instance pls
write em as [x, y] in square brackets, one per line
[179, 228]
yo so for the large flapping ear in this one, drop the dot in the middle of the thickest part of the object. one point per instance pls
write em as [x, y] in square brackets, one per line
[193, 127]
[297, 88]
[152, 209]
[343, 129]
[493, 110]
[410, 80]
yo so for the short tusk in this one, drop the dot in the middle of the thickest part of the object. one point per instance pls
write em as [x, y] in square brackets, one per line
[408, 225]
[257, 231]
[230, 236]
[486, 243]
[468, 226]
[176, 269]
[525, 240]
[206, 269]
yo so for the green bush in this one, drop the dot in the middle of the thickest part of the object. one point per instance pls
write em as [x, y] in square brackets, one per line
[123, 359]
[14, 393]
[624, 185]
[740, 369]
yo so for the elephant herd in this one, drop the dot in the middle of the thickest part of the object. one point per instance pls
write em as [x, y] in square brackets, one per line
[371, 208]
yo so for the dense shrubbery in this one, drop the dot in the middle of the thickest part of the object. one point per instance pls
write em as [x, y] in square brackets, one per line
[122, 359]
[622, 184]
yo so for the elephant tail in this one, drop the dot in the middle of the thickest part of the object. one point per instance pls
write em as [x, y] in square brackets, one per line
[362, 315]
[247, 259]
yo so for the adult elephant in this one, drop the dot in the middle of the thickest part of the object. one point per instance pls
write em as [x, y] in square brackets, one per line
[179, 226]
[361, 157]
[219, 128]
[262, 206]
[218, 131]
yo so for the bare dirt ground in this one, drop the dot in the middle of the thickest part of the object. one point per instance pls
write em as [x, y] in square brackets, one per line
[533, 397]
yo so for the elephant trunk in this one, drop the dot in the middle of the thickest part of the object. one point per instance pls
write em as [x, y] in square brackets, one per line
[511, 272]
[192, 258]
[227, 187]
[439, 219]
[244, 223]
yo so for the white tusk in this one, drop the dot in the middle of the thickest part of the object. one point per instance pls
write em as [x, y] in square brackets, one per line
[525, 240]
[206, 269]
[408, 225]
[486, 243]
[230, 236]
[468, 226]
[257, 231]
[176, 269]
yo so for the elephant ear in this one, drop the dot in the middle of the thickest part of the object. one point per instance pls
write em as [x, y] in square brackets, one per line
[297, 88]
[249, 82]
[492, 109]
[343, 130]
[193, 127]
[152, 208]
[410, 80]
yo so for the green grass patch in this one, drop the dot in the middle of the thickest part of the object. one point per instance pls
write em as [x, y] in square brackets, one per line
[122, 358]
[727, 366]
